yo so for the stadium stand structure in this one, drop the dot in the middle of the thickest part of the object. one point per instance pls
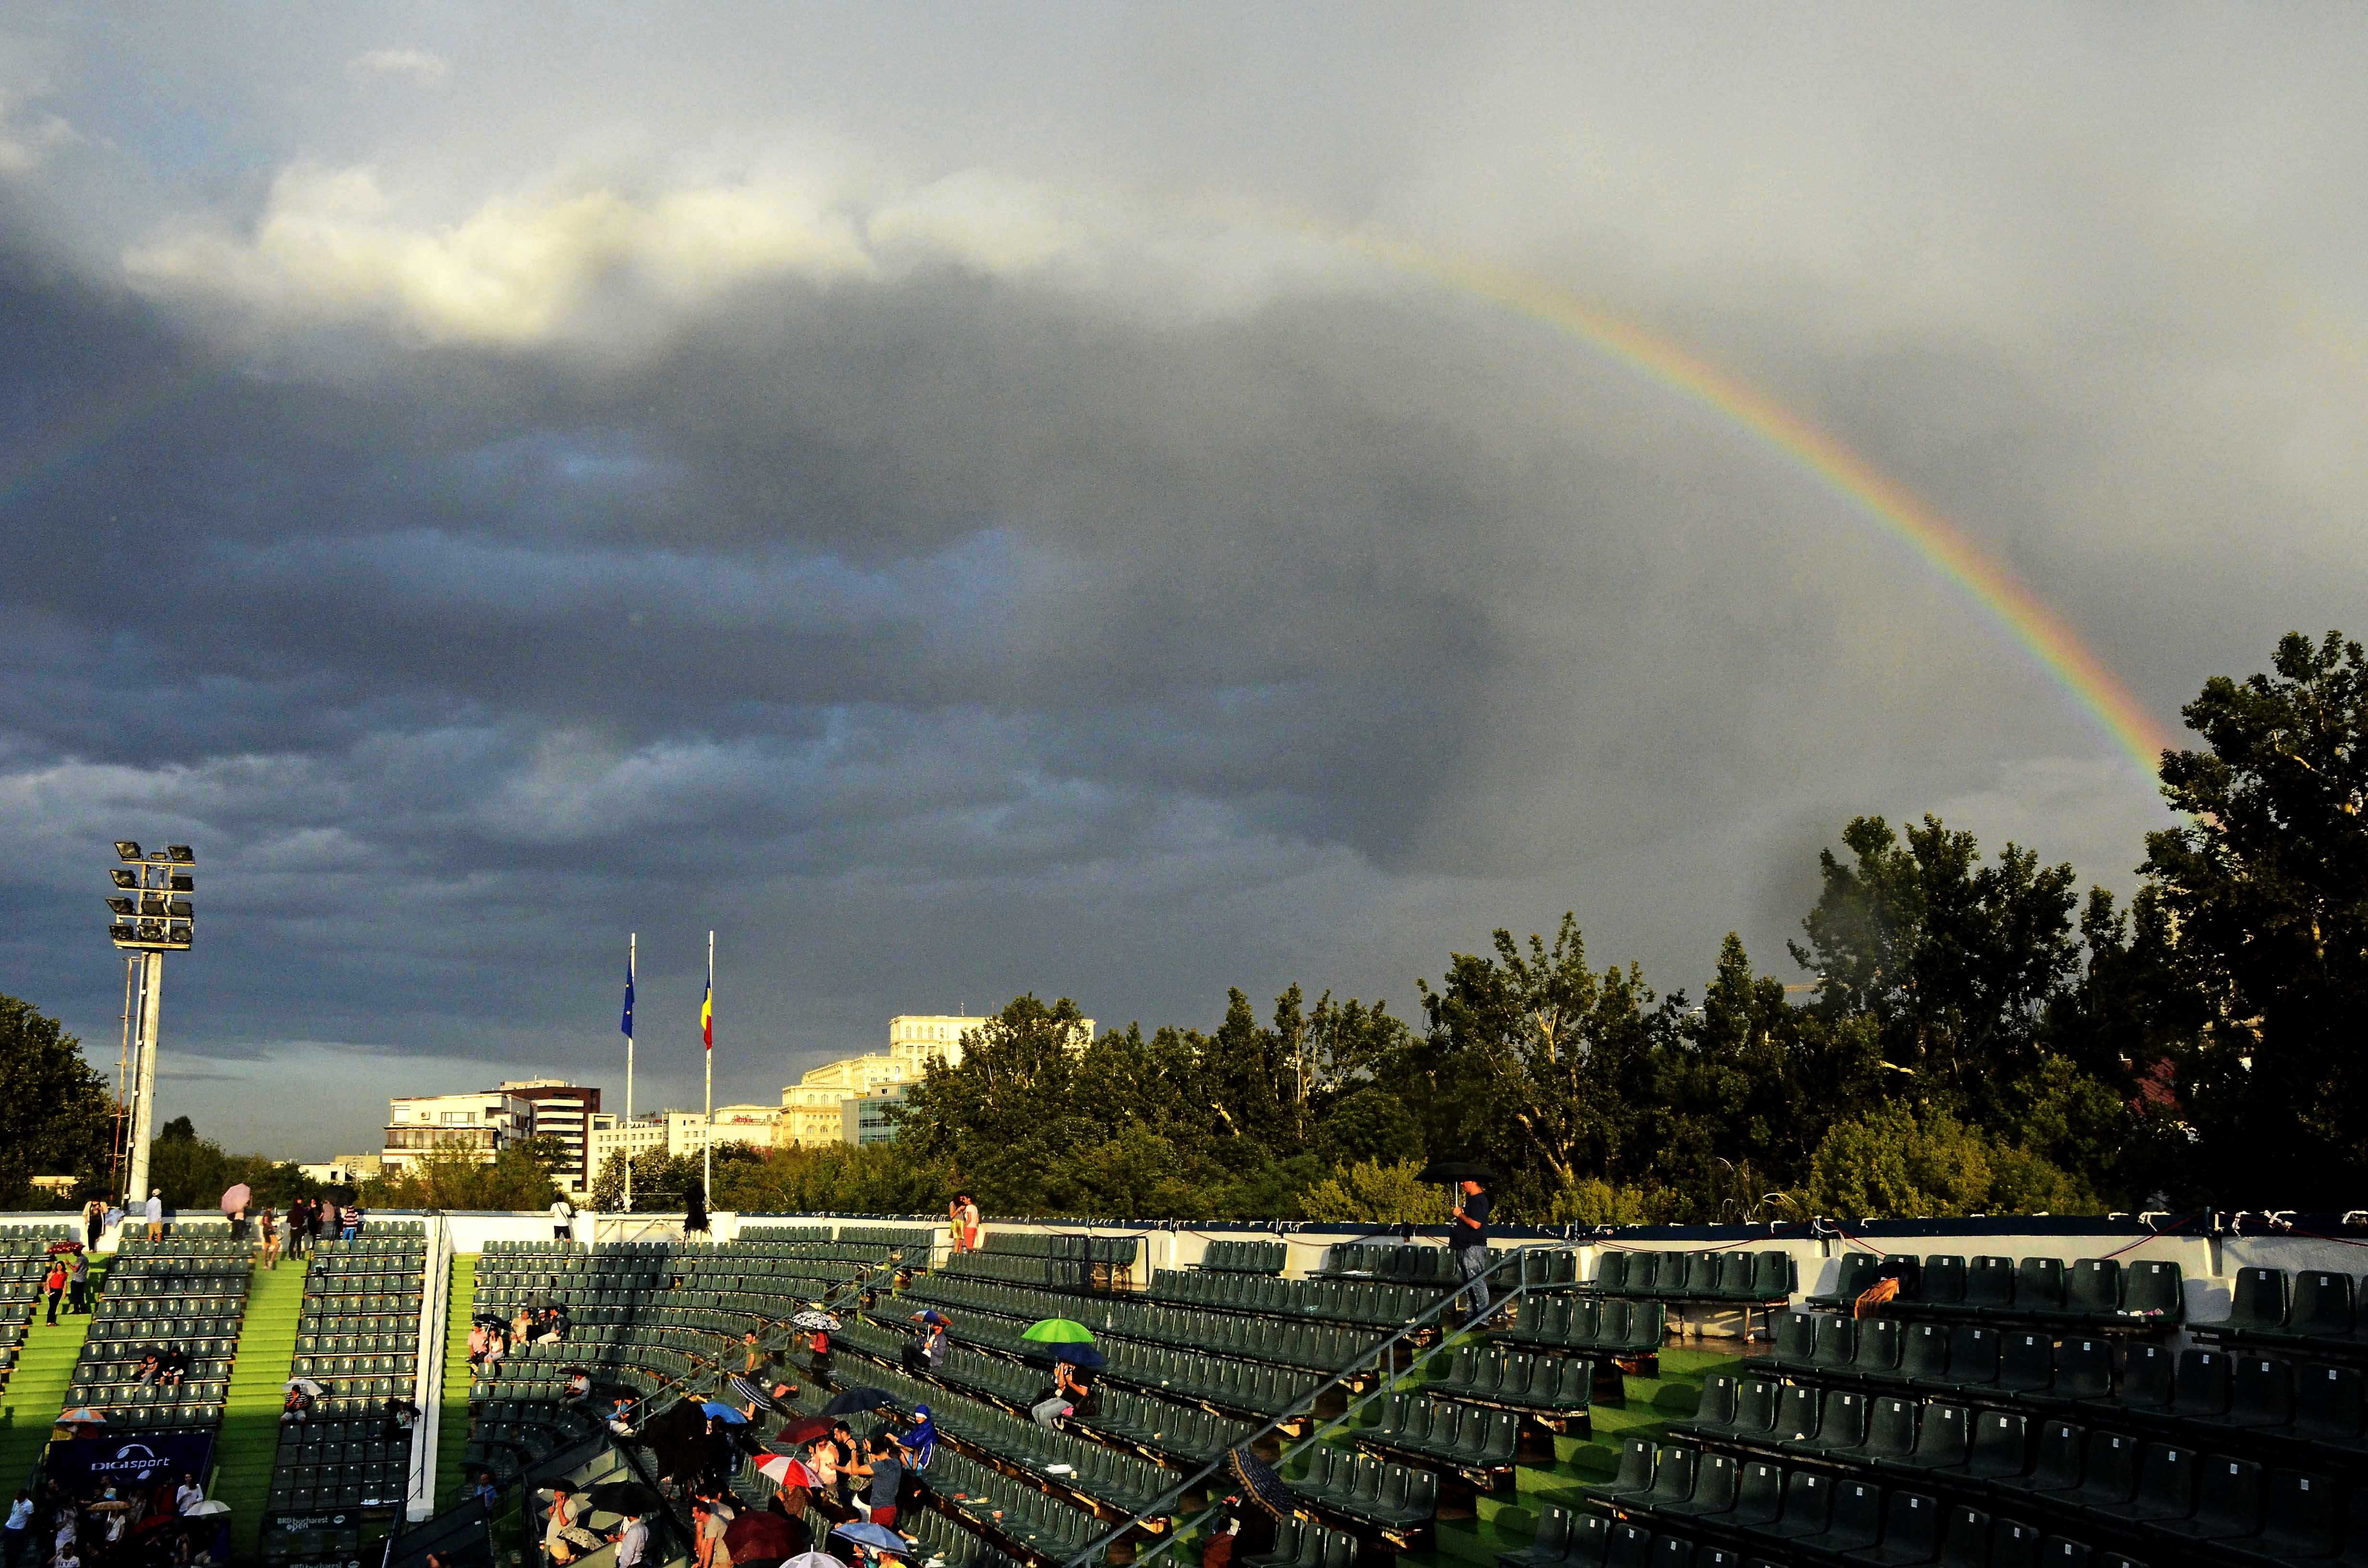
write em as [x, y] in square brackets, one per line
[2079, 1404]
[343, 1473]
[182, 1299]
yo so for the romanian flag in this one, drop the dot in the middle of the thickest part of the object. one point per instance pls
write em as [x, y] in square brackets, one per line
[707, 1016]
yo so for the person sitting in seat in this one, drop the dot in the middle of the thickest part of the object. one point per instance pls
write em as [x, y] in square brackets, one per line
[150, 1363]
[297, 1406]
[173, 1368]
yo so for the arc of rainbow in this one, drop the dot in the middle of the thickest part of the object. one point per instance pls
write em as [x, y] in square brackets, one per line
[2059, 649]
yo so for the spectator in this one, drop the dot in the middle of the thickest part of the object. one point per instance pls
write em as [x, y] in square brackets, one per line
[302, 1217]
[923, 1353]
[268, 1232]
[188, 1495]
[174, 1367]
[522, 1326]
[694, 1209]
[150, 1364]
[17, 1534]
[1068, 1394]
[486, 1492]
[1468, 1240]
[156, 1215]
[94, 1221]
[887, 1476]
[479, 1343]
[53, 1284]
[962, 1215]
[563, 1219]
[566, 1508]
[349, 1223]
[78, 1283]
[921, 1444]
[632, 1541]
[752, 1356]
[708, 1525]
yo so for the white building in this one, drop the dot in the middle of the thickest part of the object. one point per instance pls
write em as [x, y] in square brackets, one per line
[345, 1170]
[484, 1124]
[815, 1109]
[677, 1133]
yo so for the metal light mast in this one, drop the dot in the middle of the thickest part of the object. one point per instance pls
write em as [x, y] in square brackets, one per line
[151, 916]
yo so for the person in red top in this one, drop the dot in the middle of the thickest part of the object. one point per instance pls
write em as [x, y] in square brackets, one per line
[56, 1285]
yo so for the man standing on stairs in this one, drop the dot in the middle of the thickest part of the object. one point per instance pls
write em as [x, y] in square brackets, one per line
[18, 1533]
[156, 1215]
[1468, 1241]
[562, 1220]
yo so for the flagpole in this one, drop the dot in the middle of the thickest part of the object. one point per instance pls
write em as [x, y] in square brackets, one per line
[633, 951]
[707, 1145]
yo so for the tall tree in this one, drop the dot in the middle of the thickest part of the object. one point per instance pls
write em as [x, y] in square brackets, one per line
[54, 1110]
[1956, 961]
[2267, 888]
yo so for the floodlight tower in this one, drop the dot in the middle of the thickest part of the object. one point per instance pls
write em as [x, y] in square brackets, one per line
[151, 916]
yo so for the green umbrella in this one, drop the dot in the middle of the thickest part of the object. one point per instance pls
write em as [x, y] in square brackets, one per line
[1059, 1331]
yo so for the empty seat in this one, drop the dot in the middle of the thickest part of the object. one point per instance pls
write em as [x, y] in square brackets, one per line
[1911, 1533]
[2260, 1392]
[1854, 1522]
[2166, 1488]
[1808, 1507]
[2000, 1444]
[2328, 1406]
[2297, 1522]
[1716, 1476]
[1924, 1355]
[1942, 1438]
[1989, 1284]
[2227, 1502]
[2322, 1306]
[2058, 1465]
[2026, 1363]
[2260, 1305]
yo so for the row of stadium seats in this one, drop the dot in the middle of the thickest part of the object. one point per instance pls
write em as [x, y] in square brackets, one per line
[1393, 1261]
[1466, 1437]
[1119, 1250]
[2165, 1500]
[1305, 1545]
[2091, 1290]
[1610, 1328]
[340, 1462]
[1736, 1276]
[1392, 1498]
[1299, 1342]
[1560, 1387]
[2314, 1309]
[1245, 1257]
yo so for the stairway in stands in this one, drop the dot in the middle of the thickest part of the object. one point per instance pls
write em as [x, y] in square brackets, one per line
[37, 1389]
[250, 1428]
[452, 1404]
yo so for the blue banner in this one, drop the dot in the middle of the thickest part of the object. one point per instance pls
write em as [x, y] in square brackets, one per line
[145, 1458]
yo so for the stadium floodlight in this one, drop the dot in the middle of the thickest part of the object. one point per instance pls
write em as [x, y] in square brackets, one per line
[149, 915]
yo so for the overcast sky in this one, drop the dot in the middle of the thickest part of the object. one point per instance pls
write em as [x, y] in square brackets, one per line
[961, 501]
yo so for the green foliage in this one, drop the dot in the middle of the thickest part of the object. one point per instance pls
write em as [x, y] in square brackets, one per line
[195, 1171]
[55, 1112]
[1368, 1192]
[1895, 1163]
[2266, 888]
[517, 1177]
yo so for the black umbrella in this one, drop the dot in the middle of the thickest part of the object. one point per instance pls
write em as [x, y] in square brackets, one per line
[1260, 1484]
[857, 1401]
[1456, 1170]
[625, 1497]
[755, 1393]
[491, 1320]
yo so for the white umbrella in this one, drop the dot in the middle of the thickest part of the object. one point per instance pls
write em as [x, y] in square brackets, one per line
[303, 1385]
[206, 1508]
[813, 1559]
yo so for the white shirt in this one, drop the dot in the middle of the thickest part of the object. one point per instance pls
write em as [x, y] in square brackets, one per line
[156, 1209]
[634, 1541]
[188, 1497]
[561, 1212]
[20, 1515]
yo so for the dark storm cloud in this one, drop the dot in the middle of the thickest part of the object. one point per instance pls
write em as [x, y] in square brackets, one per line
[489, 506]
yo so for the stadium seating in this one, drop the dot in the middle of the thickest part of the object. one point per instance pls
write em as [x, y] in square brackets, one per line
[1245, 1257]
[186, 1292]
[1730, 1277]
[2092, 1292]
[358, 1337]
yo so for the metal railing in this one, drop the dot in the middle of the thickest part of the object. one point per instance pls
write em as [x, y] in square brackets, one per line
[1382, 1349]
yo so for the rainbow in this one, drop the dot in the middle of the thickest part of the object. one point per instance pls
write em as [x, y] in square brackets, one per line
[2059, 649]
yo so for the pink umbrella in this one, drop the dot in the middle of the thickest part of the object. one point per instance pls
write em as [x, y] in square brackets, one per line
[783, 1471]
[237, 1199]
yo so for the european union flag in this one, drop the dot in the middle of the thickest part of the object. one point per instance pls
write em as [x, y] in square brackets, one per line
[626, 1027]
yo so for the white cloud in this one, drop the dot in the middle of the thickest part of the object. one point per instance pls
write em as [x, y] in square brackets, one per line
[29, 136]
[415, 63]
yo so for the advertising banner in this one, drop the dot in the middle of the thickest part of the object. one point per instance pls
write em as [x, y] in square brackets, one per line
[145, 1459]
